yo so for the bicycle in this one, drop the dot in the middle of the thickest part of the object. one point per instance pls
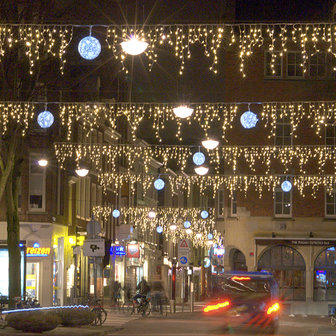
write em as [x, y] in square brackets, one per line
[100, 313]
[140, 307]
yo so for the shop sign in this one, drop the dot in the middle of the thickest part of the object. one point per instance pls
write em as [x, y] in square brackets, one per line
[133, 251]
[38, 251]
[118, 250]
[301, 242]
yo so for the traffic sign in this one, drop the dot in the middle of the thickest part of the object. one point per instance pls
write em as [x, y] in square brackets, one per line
[94, 247]
[183, 252]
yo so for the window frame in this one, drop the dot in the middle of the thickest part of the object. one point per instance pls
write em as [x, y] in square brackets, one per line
[295, 64]
[34, 157]
[333, 192]
[278, 190]
[317, 65]
[273, 76]
[280, 122]
[233, 200]
[220, 211]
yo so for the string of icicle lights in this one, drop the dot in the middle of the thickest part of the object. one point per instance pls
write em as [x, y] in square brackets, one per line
[147, 219]
[307, 38]
[207, 115]
[304, 184]
[106, 157]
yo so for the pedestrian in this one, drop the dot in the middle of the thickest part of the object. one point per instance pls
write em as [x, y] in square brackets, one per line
[116, 289]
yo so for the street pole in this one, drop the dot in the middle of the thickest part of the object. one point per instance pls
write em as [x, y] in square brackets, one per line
[95, 277]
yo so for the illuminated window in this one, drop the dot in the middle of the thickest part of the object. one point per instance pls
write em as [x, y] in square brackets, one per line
[36, 185]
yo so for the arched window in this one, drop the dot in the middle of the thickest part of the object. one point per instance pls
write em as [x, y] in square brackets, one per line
[238, 261]
[325, 275]
[288, 268]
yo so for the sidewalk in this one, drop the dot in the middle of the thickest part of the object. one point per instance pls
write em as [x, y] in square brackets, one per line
[82, 331]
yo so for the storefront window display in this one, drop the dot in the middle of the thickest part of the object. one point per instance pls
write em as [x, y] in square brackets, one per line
[289, 270]
[325, 276]
[4, 262]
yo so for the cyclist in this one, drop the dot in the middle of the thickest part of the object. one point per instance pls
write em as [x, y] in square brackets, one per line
[143, 290]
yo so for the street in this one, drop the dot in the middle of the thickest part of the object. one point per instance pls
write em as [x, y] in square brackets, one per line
[185, 324]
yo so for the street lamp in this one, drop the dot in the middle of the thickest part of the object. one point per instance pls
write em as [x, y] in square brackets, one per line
[134, 46]
[82, 172]
[42, 162]
[183, 111]
[210, 143]
[202, 170]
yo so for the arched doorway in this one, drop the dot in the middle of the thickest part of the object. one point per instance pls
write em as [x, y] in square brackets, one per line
[288, 268]
[238, 261]
[325, 275]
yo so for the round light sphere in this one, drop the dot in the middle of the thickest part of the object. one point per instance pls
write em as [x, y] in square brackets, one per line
[204, 214]
[186, 224]
[159, 229]
[89, 47]
[133, 46]
[115, 213]
[198, 158]
[45, 119]
[159, 184]
[42, 162]
[189, 231]
[286, 186]
[198, 235]
[248, 119]
[183, 111]
[151, 214]
[210, 236]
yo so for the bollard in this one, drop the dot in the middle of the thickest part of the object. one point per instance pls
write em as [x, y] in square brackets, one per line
[172, 306]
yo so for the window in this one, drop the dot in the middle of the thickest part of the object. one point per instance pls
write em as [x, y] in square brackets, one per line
[220, 203]
[283, 131]
[325, 276]
[288, 268]
[83, 198]
[318, 65]
[330, 202]
[273, 64]
[295, 65]
[234, 204]
[330, 135]
[36, 185]
[282, 201]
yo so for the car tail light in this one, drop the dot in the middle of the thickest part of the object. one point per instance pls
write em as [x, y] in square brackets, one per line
[239, 278]
[216, 306]
[273, 309]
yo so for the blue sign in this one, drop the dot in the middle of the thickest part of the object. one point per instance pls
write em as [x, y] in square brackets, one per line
[118, 250]
[183, 260]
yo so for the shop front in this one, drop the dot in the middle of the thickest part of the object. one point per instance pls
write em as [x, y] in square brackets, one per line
[304, 269]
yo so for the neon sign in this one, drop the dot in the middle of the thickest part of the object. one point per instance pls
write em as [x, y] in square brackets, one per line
[38, 251]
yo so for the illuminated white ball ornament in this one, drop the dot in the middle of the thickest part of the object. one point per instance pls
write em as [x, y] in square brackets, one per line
[204, 214]
[159, 184]
[210, 236]
[198, 158]
[89, 48]
[45, 119]
[159, 229]
[248, 119]
[173, 227]
[133, 46]
[286, 186]
[151, 214]
[186, 224]
[82, 172]
[115, 213]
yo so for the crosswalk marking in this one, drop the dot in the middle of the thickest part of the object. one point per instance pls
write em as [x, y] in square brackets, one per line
[118, 320]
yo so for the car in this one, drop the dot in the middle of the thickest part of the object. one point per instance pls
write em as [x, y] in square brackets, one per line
[245, 299]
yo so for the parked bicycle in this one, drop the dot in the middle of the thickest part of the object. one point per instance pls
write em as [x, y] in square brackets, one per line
[100, 313]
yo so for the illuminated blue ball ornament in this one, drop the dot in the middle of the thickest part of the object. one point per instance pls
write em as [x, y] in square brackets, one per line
[45, 119]
[210, 236]
[115, 213]
[159, 184]
[198, 158]
[159, 229]
[204, 214]
[186, 224]
[89, 47]
[248, 119]
[286, 186]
